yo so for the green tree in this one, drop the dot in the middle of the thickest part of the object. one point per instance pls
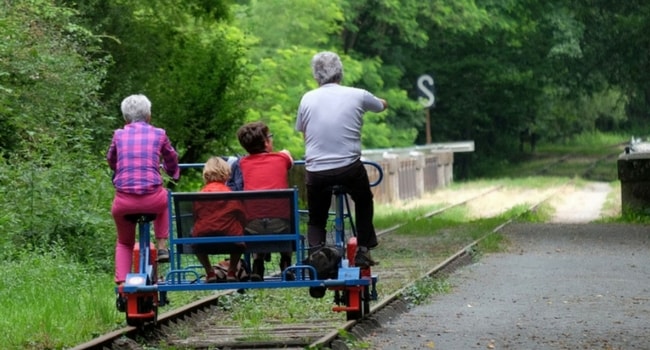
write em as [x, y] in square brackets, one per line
[49, 79]
[614, 48]
[54, 190]
[281, 57]
[186, 57]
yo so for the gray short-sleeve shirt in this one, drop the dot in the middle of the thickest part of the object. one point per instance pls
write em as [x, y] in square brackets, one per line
[331, 118]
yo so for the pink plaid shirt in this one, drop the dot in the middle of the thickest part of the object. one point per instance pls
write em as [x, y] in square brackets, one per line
[135, 154]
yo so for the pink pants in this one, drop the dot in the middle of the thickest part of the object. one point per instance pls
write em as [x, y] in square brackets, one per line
[124, 204]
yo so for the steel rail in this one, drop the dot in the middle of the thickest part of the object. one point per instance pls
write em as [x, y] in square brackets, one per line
[106, 341]
[392, 304]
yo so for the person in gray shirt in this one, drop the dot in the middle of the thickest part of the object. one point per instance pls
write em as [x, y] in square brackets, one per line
[330, 118]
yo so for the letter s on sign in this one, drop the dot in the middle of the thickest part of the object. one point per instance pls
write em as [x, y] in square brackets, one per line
[425, 87]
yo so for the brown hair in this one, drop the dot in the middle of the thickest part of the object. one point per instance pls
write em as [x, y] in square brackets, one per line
[252, 137]
[216, 170]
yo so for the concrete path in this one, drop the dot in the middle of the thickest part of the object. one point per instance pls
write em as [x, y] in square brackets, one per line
[560, 286]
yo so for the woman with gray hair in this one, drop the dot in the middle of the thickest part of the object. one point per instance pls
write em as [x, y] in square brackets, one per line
[135, 156]
[330, 118]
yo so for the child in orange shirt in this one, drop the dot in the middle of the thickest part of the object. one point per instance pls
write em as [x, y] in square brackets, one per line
[218, 218]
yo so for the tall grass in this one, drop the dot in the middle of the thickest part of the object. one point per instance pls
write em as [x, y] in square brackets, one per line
[589, 143]
[50, 302]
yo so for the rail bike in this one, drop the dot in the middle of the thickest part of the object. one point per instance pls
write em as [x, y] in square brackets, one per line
[145, 288]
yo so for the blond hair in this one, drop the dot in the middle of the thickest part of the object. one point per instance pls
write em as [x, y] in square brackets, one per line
[216, 170]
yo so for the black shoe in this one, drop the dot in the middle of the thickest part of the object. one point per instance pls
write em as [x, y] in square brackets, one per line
[289, 276]
[284, 264]
[120, 303]
[257, 275]
[363, 259]
[163, 256]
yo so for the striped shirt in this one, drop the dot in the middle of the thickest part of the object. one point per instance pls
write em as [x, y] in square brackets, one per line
[134, 156]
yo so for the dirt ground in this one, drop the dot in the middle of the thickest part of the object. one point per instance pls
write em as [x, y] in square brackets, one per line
[566, 284]
[584, 204]
[580, 203]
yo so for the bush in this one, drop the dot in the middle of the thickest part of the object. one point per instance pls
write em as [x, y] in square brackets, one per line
[66, 202]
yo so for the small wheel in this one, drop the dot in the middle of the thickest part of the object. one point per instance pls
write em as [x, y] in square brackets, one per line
[145, 305]
[149, 305]
[134, 322]
[365, 304]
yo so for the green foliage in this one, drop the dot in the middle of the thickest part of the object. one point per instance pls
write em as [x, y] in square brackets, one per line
[203, 100]
[186, 58]
[282, 73]
[491, 243]
[280, 83]
[50, 76]
[38, 310]
[284, 23]
[253, 309]
[420, 292]
[564, 71]
[391, 28]
[629, 215]
[563, 115]
[588, 143]
[66, 202]
[56, 189]
[351, 341]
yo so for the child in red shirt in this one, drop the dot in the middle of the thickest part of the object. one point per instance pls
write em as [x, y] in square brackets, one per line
[218, 218]
[263, 169]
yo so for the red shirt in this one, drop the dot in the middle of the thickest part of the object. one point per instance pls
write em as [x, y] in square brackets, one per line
[266, 171]
[218, 217]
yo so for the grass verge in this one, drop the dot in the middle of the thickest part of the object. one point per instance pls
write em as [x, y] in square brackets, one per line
[49, 302]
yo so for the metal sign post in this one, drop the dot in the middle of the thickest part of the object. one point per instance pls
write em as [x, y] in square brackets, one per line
[427, 123]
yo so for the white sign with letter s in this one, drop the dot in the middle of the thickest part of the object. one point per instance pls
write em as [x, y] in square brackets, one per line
[425, 86]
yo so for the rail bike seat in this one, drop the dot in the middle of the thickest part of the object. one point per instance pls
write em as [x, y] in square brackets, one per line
[283, 202]
[338, 189]
[140, 217]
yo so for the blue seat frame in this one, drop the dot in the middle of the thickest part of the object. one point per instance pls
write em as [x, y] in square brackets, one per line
[143, 293]
[181, 278]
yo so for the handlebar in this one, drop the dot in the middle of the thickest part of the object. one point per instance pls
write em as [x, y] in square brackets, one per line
[191, 165]
[380, 171]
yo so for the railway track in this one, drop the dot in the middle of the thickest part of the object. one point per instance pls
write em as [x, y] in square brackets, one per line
[200, 325]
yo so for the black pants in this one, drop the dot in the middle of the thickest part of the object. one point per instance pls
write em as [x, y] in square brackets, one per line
[354, 180]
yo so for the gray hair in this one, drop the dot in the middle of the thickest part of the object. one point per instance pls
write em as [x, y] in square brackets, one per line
[136, 108]
[327, 68]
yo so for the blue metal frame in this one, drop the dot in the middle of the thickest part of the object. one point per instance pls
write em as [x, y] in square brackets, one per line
[181, 278]
[143, 279]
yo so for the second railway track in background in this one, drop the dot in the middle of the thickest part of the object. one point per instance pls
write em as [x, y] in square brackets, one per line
[199, 325]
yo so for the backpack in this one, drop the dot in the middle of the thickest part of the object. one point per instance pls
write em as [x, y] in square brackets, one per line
[326, 261]
[243, 271]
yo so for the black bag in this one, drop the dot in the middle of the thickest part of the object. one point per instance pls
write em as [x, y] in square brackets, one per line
[325, 260]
